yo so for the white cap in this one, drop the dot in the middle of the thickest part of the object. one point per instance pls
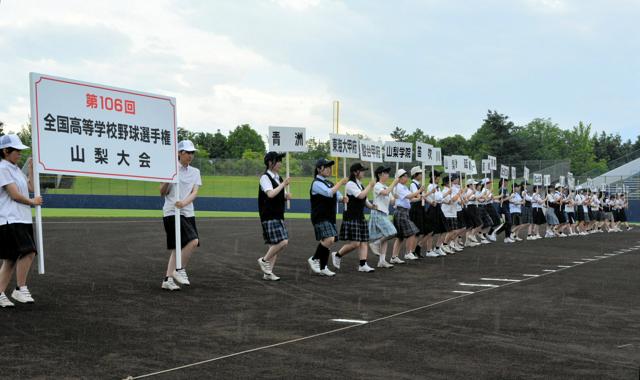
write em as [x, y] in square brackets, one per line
[186, 145]
[400, 173]
[558, 186]
[415, 170]
[12, 141]
[472, 181]
[578, 188]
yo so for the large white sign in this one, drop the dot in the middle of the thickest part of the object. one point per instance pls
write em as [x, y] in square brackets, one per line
[287, 139]
[526, 173]
[448, 168]
[513, 172]
[423, 153]
[344, 146]
[473, 170]
[398, 151]
[561, 180]
[371, 151]
[88, 129]
[537, 179]
[493, 161]
[547, 179]
[504, 171]
[486, 166]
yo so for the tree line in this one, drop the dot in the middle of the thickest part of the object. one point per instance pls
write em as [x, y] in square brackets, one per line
[540, 139]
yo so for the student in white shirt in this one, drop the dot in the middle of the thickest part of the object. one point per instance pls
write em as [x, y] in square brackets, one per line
[354, 230]
[537, 210]
[515, 209]
[272, 198]
[17, 247]
[407, 230]
[434, 219]
[381, 230]
[190, 182]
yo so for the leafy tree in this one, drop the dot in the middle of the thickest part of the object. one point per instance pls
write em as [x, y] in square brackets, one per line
[579, 146]
[399, 134]
[244, 138]
[456, 144]
[1, 128]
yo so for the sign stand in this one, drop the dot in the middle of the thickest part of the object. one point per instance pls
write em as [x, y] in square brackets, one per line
[288, 186]
[177, 225]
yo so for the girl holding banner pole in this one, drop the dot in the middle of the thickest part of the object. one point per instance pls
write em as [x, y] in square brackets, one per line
[407, 230]
[537, 208]
[354, 229]
[190, 182]
[435, 218]
[381, 230]
[18, 248]
[416, 211]
[271, 204]
[324, 196]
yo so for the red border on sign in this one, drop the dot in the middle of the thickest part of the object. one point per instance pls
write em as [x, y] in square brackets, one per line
[175, 130]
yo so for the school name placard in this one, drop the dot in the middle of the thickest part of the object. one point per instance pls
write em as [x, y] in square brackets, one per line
[88, 129]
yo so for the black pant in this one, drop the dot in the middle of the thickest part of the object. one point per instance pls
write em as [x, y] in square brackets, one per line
[506, 227]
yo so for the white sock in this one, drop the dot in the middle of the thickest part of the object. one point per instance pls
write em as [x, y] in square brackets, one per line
[23, 288]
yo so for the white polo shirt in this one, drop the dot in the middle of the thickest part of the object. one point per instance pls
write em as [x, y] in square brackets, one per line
[11, 211]
[380, 200]
[189, 177]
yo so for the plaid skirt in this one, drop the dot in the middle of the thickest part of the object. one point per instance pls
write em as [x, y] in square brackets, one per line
[527, 215]
[325, 230]
[538, 216]
[403, 223]
[552, 219]
[274, 231]
[451, 224]
[380, 226]
[17, 241]
[354, 230]
[516, 218]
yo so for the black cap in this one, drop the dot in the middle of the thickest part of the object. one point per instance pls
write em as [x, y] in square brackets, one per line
[454, 176]
[382, 169]
[273, 157]
[356, 167]
[435, 174]
[445, 179]
[324, 162]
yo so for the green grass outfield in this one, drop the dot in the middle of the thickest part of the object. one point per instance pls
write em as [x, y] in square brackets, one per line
[212, 186]
[117, 213]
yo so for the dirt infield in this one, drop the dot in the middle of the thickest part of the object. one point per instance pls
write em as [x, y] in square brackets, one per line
[100, 313]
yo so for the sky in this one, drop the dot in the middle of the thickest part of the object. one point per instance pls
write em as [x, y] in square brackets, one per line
[437, 65]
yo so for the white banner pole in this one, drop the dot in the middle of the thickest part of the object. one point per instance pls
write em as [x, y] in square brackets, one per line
[36, 180]
[288, 186]
[177, 224]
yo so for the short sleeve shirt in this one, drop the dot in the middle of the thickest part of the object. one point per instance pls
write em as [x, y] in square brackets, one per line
[10, 210]
[189, 177]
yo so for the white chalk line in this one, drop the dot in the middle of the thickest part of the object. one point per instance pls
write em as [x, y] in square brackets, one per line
[355, 325]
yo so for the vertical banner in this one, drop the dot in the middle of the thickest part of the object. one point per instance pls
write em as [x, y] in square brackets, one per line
[504, 171]
[436, 156]
[424, 153]
[526, 174]
[493, 162]
[513, 173]
[94, 130]
[561, 180]
[486, 166]
[473, 170]
[537, 179]
[547, 180]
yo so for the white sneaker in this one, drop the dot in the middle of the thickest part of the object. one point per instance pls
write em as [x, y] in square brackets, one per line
[169, 284]
[509, 240]
[530, 237]
[517, 238]
[492, 237]
[410, 256]
[181, 277]
[22, 296]
[375, 248]
[396, 260]
[432, 253]
[384, 264]
[5, 302]
[484, 241]
[327, 272]
[314, 265]
[472, 244]
[445, 248]
[562, 235]
[265, 266]
[455, 247]
[474, 239]
[440, 252]
[335, 259]
[270, 277]
[365, 268]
